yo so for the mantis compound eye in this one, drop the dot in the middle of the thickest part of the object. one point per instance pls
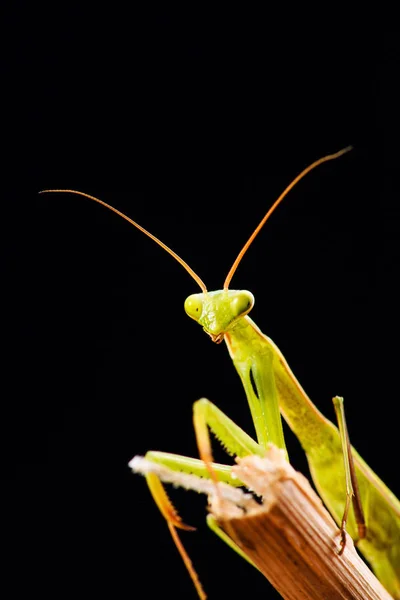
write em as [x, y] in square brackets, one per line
[242, 303]
[194, 306]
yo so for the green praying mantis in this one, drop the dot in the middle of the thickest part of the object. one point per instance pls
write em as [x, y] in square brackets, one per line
[338, 472]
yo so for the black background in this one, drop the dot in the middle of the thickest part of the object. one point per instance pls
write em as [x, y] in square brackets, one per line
[192, 123]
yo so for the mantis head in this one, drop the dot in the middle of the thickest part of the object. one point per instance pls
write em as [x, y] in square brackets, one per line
[219, 311]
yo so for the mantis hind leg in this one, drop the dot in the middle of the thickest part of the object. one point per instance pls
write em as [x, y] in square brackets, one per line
[352, 490]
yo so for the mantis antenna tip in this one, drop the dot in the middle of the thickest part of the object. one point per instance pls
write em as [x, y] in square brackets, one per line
[291, 185]
[142, 229]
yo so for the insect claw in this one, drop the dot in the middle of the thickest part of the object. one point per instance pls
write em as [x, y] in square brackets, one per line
[343, 539]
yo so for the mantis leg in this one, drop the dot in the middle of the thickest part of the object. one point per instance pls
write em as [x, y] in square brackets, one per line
[352, 490]
[186, 465]
[192, 466]
[174, 521]
[235, 441]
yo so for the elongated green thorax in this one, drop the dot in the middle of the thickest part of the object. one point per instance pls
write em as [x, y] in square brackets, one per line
[222, 315]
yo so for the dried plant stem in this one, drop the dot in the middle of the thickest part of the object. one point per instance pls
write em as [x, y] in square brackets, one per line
[292, 538]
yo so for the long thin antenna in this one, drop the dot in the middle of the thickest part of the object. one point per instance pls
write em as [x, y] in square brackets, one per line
[142, 229]
[275, 205]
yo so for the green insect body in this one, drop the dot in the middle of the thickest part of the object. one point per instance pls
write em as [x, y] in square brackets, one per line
[273, 381]
[272, 389]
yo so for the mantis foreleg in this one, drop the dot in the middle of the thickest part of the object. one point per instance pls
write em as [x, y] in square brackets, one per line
[174, 521]
[235, 441]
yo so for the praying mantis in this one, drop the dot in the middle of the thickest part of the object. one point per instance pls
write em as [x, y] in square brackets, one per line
[272, 390]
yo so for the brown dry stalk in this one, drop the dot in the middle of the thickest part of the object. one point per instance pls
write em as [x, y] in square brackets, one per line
[292, 538]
